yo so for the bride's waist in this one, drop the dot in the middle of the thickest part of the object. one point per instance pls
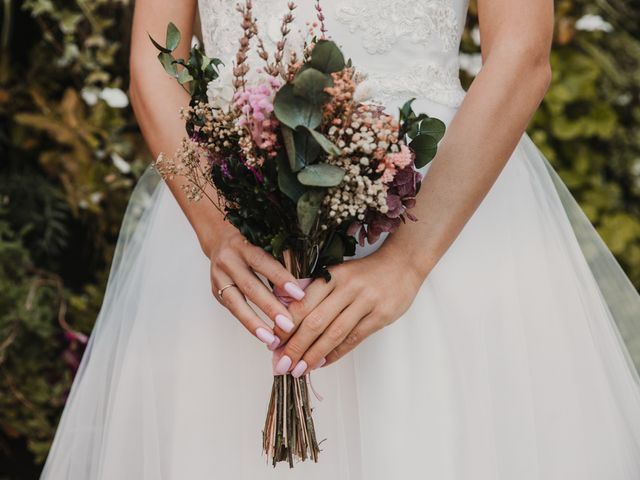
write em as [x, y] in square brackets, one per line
[428, 83]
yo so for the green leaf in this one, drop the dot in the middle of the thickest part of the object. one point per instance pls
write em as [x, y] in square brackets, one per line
[327, 145]
[167, 61]
[287, 180]
[294, 111]
[173, 36]
[157, 45]
[425, 148]
[308, 207]
[307, 149]
[327, 57]
[290, 147]
[311, 85]
[184, 77]
[433, 127]
[321, 175]
[333, 253]
[278, 244]
[406, 110]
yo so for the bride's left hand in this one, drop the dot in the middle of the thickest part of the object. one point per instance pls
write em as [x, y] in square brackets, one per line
[334, 317]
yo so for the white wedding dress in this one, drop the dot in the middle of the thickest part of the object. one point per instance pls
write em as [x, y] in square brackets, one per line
[511, 364]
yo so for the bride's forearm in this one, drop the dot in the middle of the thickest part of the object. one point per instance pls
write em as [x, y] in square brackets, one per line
[478, 143]
[157, 99]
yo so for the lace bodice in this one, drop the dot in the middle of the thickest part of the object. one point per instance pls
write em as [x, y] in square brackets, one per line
[407, 48]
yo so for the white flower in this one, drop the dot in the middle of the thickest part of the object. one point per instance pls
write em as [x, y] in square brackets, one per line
[95, 197]
[90, 96]
[475, 36]
[471, 63]
[114, 97]
[593, 23]
[120, 163]
[220, 91]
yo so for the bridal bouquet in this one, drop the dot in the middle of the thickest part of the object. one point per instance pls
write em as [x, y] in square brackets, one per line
[300, 167]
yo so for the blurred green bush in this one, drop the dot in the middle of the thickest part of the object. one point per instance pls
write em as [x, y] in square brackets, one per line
[70, 153]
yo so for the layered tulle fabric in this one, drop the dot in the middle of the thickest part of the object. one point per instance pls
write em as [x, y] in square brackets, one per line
[510, 363]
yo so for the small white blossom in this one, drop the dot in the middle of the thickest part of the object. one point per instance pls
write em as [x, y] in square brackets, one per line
[593, 23]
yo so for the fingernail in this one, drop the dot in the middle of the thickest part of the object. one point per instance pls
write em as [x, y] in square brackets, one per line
[275, 344]
[301, 367]
[294, 290]
[265, 335]
[321, 363]
[283, 365]
[284, 322]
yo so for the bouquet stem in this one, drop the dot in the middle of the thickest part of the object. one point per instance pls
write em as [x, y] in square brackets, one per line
[289, 433]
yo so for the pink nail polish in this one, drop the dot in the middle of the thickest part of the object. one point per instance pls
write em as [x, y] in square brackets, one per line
[284, 323]
[275, 344]
[294, 290]
[301, 367]
[321, 363]
[283, 365]
[265, 335]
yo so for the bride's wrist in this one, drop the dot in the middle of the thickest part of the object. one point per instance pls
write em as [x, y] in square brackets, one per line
[413, 264]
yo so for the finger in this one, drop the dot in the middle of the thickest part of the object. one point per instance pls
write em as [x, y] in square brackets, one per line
[333, 336]
[267, 266]
[315, 294]
[261, 296]
[367, 326]
[233, 299]
[312, 327]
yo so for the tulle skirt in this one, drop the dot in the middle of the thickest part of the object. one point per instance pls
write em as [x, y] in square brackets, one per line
[515, 360]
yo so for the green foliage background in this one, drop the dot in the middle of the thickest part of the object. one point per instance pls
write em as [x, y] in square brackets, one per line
[70, 154]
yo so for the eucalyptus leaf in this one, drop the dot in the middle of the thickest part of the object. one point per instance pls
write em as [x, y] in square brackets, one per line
[290, 148]
[173, 36]
[307, 208]
[167, 61]
[184, 77]
[321, 175]
[307, 148]
[157, 45]
[287, 181]
[311, 85]
[294, 111]
[433, 127]
[327, 57]
[425, 148]
[327, 145]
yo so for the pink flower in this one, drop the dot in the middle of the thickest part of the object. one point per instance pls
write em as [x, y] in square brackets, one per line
[256, 107]
[393, 162]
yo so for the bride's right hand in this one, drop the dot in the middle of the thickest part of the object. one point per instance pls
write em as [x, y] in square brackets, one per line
[235, 262]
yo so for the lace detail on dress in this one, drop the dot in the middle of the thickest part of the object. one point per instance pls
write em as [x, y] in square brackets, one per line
[432, 81]
[383, 23]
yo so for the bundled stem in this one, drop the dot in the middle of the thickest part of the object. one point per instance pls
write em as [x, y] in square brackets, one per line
[289, 432]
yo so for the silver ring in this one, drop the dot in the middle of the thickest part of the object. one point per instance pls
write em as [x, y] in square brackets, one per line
[221, 290]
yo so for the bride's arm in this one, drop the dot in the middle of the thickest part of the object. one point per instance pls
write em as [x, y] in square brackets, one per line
[516, 40]
[156, 99]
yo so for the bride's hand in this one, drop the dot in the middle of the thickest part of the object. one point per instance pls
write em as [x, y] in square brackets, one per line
[234, 264]
[334, 317]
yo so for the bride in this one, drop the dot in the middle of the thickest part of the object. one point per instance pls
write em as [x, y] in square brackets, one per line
[503, 355]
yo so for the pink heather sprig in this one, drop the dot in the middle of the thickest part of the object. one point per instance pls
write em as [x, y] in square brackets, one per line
[321, 19]
[255, 105]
